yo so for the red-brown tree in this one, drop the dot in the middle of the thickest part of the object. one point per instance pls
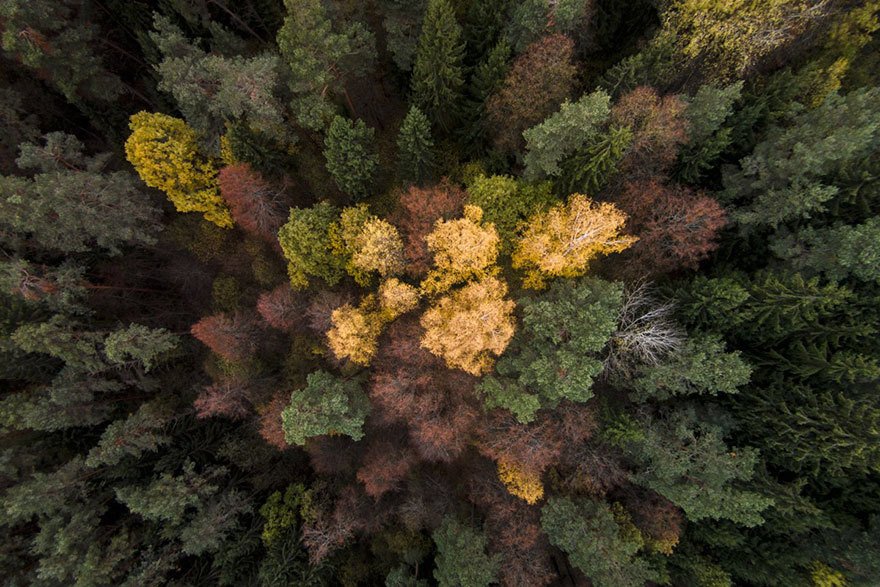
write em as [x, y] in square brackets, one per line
[232, 336]
[228, 398]
[419, 209]
[282, 308]
[258, 206]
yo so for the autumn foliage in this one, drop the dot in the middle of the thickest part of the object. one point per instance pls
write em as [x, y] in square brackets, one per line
[257, 206]
[234, 337]
[419, 209]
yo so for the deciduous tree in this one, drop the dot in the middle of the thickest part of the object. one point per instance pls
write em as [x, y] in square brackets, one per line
[304, 241]
[419, 209]
[257, 205]
[326, 405]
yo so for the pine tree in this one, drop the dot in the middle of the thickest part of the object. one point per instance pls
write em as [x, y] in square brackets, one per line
[415, 147]
[70, 205]
[461, 556]
[438, 76]
[351, 158]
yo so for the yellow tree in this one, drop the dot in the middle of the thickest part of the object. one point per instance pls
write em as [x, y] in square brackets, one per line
[521, 482]
[164, 151]
[463, 249]
[470, 326]
[370, 244]
[562, 241]
[354, 333]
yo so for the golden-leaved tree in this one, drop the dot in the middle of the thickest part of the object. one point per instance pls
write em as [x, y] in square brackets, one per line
[355, 331]
[562, 241]
[369, 243]
[470, 326]
[164, 151]
[463, 249]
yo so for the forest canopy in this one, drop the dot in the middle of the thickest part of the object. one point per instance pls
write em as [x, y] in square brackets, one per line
[440, 292]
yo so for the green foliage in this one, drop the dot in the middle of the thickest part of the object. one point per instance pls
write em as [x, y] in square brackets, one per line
[438, 77]
[69, 205]
[415, 147]
[796, 170]
[326, 405]
[707, 135]
[701, 367]
[304, 239]
[461, 556]
[321, 59]
[564, 133]
[282, 512]
[507, 203]
[591, 167]
[139, 345]
[686, 460]
[595, 542]
[351, 156]
[555, 354]
[403, 23]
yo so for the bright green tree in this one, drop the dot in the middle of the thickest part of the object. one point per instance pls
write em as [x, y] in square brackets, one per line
[326, 405]
[304, 240]
[438, 77]
[508, 203]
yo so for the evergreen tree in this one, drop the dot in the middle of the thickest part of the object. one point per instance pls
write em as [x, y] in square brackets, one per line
[461, 556]
[438, 76]
[350, 155]
[326, 405]
[415, 147]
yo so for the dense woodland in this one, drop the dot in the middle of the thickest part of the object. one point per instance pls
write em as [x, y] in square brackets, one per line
[440, 292]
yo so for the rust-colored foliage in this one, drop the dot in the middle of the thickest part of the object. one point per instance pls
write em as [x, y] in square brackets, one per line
[419, 209]
[539, 80]
[659, 127]
[282, 308]
[660, 521]
[533, 447]
[386, 463]
[232, 336]
[412, 386]
[319, 314]
[258, 206]
[228, 398]
[270, 420]
[677, 226]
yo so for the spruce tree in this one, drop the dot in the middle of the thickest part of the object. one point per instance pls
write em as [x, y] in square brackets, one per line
[351, 156]
[415, 147]
[438, 74]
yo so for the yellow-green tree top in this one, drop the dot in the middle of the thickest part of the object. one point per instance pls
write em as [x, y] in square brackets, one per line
[562, 241]
[164, 151]
[463, 249]
[369, 243]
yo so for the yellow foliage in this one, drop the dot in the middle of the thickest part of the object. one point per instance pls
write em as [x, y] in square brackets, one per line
[470, 325]
[355, 332]
[371, 244]
[396, 298]
[226, 154]
[520, 482]
[824, 576]
[463, 249]
[562, 241]
[164, 152]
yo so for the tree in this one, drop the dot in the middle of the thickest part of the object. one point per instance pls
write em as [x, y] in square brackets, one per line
[708, 137]
[592, 167]
[461, 556]
[58, 41]
[326, 405]
[595, 541]
[139, 345]
[463, 249]
[677, 227]
[838, 252]
[304, 240]
[797, 170]
[528, 22]
[164, 151]
[684, 458]
[69, 205]
[419, 209]
[368, 243]
[507, 203]
[282, 308]
[402, 20]
[555, 356]
[350, 155]
[659, 126]
[212, 90]
[256, 205]
[437, 76]
[562, 241]
[539, 81]
[521, 482]
[233, 337]
[562, 134]
[470, 325]
[415, 147]
[487, 77]
[321, 59]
